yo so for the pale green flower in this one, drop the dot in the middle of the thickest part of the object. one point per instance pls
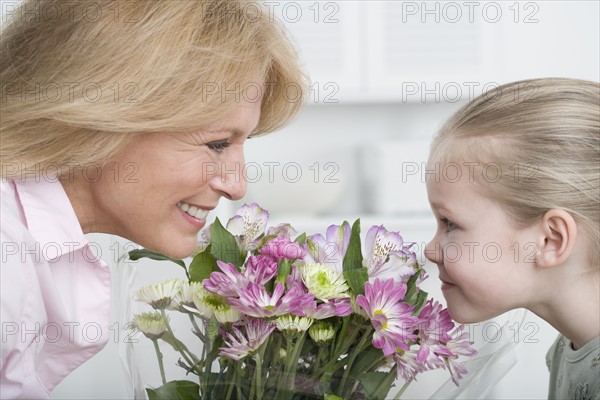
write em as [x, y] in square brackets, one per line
[227, 315]
[185, 296]
[323, 281]
[322, 332]
[293, 323]
[160, 296]
[151, 324]
[208, 304]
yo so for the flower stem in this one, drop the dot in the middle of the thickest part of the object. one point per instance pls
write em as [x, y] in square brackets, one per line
[291, 377]
[352, 357]
[238, 384]
[339, 349]
[231, 384]
[320, 355]
[160, 361]
[197, 330]
[177, 344]
[397, 396]
[256, 385]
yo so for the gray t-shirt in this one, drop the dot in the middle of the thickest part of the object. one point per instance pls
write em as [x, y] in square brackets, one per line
[574, 374]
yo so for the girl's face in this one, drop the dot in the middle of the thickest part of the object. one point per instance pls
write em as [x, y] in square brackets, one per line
[484, 262]
[159, 190]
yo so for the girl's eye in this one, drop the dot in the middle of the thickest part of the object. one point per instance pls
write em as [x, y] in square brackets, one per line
[218, 146]
[450, 226]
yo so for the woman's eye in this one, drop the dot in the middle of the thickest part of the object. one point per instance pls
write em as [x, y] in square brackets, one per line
[218, 146]
[450, 226]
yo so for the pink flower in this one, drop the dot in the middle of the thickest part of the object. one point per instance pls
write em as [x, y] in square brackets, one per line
[335, 307]
[239, 345]
[247, 225]
[255, 301]
[227, 283]
[407, 365]
[391, 317]
[260, 269]
[435, 323]
[331, 249]
[387, 257]
[282, 247]
[286, 230]
[459, 345]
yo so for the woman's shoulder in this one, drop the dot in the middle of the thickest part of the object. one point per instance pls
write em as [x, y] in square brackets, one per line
[11, 211]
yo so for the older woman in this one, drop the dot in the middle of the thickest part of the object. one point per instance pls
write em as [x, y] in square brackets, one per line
[121, 117]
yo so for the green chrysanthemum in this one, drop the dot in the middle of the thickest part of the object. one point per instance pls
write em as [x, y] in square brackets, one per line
[324, 282]
[322, 332]
[293, 323]
[151, 324]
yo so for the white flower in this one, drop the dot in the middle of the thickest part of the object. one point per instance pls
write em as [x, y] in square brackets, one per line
[247, 225]
[227, 315]
[323, 281]
[209, 304]
[185, 296]
[293, 323]
[160, 296]
[322, 332]
[151, 324]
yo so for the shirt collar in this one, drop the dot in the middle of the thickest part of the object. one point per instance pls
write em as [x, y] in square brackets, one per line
[50, 217]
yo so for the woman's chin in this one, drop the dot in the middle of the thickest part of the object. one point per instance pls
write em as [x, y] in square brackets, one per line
[182, 249]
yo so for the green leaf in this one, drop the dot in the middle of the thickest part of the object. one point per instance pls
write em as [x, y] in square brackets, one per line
[301, 239]
[411, 287]
[367, 360]
[202, 265]
[283, 270]
[356, 279]
[178, 390]
[353, 258]
[223, 245]
[420, 301]
[153, 255]
[377, 384]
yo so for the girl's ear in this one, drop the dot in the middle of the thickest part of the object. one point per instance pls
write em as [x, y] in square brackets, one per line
[557, 238]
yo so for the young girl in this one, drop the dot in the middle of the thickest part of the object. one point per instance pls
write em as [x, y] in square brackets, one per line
[513, 179]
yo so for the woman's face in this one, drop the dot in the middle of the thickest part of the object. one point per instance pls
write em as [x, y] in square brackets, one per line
[159, 190]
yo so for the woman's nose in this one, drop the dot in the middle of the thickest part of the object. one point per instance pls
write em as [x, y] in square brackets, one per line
[231, 180]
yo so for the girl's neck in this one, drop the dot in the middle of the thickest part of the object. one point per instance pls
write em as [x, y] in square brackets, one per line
[574, 309]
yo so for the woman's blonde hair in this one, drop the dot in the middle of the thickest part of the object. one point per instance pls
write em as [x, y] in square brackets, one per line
[534, 145]
[80, 79]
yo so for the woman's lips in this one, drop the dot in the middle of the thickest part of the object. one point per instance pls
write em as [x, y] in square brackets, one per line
[197, 223]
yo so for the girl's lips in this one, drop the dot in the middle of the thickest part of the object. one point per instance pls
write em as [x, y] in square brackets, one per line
[446, 284]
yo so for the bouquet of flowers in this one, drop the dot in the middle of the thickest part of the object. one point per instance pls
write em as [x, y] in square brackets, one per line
[277, 315]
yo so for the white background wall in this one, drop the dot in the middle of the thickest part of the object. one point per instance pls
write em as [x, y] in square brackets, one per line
[385, 75]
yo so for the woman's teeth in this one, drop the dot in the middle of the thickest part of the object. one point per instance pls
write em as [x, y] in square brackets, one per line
[193, 210]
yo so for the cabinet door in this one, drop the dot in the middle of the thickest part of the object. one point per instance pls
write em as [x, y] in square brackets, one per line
[427, 51]
[328, 36]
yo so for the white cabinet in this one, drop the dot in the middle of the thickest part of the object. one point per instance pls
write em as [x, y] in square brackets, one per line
[417, 52]
[328, 35]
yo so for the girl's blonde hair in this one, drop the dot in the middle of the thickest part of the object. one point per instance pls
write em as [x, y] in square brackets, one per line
[534, 145]
[80, 79]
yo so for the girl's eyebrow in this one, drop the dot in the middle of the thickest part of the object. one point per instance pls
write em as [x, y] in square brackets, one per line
[439, 206]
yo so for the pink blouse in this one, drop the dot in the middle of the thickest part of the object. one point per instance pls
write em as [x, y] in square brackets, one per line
[55, 292]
